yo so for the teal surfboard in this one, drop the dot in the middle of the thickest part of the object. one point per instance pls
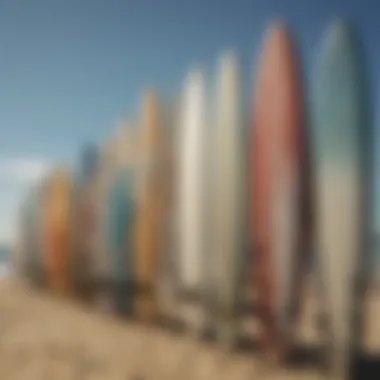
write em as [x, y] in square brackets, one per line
[122, 211]
[341, 138]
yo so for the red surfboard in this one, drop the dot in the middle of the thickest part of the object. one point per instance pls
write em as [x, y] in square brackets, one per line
[281, 191]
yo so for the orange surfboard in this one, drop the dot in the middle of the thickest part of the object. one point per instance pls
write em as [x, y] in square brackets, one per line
[150, 214]
[57, 231]
[281, 191]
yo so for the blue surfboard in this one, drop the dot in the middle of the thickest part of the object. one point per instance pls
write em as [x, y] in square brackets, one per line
[122, 211]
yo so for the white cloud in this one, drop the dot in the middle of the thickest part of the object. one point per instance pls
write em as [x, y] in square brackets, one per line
[23, 169]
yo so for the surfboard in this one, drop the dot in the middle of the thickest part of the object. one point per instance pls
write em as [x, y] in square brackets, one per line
[24, 261]
[342, 146]
[28, 257]
[122, 213]
[41, 268]
[41, 213]
[150, 208]
[191, 201]
[122, 171]
[83, 222]
[112, 156]
[45, 202]
[34, 234]
[167, 275]
[227, 189]
[101, 259]
[88, 163]
[280, 203]
[57, 232]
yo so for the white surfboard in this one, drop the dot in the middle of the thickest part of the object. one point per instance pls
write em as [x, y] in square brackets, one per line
[227, 196]
[341, 136]
[191, 199]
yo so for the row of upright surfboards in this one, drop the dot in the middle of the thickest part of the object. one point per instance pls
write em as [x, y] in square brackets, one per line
[184, 210]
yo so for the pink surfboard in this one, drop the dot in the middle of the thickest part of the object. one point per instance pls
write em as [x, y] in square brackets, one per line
[280, 191]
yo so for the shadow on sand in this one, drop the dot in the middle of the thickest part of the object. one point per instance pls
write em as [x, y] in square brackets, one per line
[305, 357]
[366, 367]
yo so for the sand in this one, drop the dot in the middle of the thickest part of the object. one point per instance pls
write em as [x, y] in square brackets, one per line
[44, 337]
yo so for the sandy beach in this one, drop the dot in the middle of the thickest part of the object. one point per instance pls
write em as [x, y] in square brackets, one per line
[44, 337]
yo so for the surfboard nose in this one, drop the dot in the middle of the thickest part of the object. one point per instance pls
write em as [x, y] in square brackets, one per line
[277, 26]
[228, 65]
[339, 27]
[228, 59]
[339, 34]
[277, 31]
[277, 44]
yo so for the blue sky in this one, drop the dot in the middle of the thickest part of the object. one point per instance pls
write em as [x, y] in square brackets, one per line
[70, 69]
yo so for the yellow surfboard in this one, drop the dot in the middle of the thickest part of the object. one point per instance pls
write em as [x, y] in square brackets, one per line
[150, 214]
[57, 231]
